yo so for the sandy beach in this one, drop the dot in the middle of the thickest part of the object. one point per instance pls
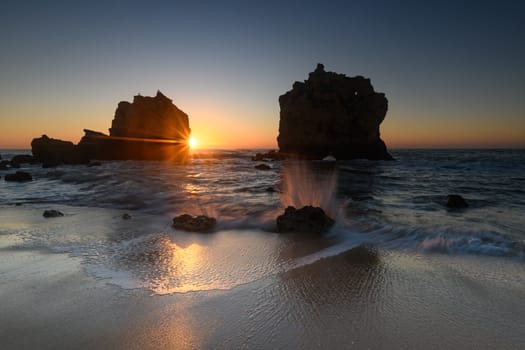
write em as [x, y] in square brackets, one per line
[362, 299]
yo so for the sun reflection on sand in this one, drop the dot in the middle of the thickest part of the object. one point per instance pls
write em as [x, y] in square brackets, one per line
[184, 263]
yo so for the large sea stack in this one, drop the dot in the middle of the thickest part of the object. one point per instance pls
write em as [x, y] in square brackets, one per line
[332, 114]
[149, 128]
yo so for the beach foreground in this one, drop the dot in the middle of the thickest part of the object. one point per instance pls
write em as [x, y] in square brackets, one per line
[354, 298]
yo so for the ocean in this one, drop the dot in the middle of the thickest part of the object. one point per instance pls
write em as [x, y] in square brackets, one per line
[394, 238]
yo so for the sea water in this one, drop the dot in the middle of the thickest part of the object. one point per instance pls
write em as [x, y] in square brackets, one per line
[390, 205]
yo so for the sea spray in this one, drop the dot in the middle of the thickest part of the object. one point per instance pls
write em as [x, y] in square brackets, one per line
[309, 183]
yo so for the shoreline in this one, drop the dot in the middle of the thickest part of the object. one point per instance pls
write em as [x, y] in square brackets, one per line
[391, 299]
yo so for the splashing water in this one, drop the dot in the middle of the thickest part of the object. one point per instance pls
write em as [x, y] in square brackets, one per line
[312, 184]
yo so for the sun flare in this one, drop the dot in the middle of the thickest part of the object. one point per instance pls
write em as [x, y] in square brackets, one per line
[192, 142]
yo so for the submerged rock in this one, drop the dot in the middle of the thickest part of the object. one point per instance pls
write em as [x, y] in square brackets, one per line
[4, 164]
[271, 155]
[262, 167]
[126, 216]
[19, 176]
[190, 223]
[331, 113]
[307, 219]
[50, 165]
[456, 201]
[52, 213]
[23, 159]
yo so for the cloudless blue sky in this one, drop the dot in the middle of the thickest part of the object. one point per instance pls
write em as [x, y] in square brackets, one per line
[451, 70]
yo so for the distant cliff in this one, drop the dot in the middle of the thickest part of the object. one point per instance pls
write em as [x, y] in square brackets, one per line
[333, 114]
[150, 128]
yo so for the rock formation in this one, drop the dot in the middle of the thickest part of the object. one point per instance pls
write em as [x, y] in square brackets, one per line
[150, 118]
[52, 213]
[19, 176]
[262, 167]
[305, 220]
[456, 201]
[149, 128]
[53, 151]
[333, 114]
[190, 223]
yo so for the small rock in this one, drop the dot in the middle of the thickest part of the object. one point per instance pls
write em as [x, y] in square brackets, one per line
[307, 219]
[190, 223]
[4, 164]
[270, 190]
[271, 155]
[263, 167]
[19, 176]
[52, 213]
[126, 216]
[23, 159]
[456, 201]
[94, 164]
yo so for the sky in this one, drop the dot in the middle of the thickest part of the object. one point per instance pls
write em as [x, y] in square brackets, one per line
[453, 71]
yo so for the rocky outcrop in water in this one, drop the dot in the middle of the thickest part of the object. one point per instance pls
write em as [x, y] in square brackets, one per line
[331, 113]
[268, 156]
[23, 159]
[262, 167]
[190, 223]
[456, 201]
[19, 176]
[150, 118]
[52, 213]
[305, 220]
[149, 128]
[54, 151]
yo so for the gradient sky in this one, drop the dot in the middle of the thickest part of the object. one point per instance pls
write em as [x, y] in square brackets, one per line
[453, 72]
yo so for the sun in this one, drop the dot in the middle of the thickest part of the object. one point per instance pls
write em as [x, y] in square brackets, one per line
[192, 142]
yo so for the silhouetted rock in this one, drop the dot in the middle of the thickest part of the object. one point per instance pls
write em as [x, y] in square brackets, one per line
[92, 164]
[331, 113]
[23, 159]
[151, 118]
[50, 165]
[9, 164]
[52, 213]
[199, 223]
[271, 155]
[54, 151]
[150, 128]
[456, 201]
[19, 176]
[262, 167]
[4, 165]
[307, 219]
[126, 216]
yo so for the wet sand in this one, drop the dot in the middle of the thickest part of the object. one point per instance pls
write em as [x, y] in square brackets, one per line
[360, 299]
